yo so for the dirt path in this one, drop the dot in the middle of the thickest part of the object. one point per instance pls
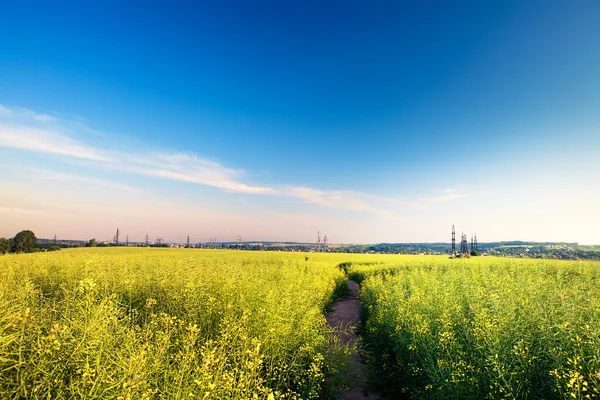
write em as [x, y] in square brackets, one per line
[344, 318]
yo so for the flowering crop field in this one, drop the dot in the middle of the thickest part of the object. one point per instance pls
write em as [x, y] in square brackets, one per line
[168, 323]
[482, 327]
[135, 323]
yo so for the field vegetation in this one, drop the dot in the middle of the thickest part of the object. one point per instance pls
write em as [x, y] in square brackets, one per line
[482, 327]
[163, 323]
[134, 323]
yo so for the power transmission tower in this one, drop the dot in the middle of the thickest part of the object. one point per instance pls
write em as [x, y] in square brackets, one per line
[127, 240]
[54, 238]
[318, 241]
[475, 243]
[325, 243]
[159, 241]
[453, 241]
[239, 241]
[117, 237]
[471, 244]
[188, 242]
[147, 240]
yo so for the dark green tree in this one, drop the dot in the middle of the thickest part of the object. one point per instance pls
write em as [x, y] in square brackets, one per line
[92, 242]
[5, 245]
[24, 242]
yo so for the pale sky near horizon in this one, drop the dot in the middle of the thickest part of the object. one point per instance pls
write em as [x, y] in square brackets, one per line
[378, 122]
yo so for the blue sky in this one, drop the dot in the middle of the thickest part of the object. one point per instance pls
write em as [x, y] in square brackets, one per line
[372, 122]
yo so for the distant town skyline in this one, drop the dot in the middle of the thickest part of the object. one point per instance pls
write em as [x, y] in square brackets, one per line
[384, 122]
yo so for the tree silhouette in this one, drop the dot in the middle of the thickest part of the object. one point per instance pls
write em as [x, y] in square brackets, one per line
[25, 242]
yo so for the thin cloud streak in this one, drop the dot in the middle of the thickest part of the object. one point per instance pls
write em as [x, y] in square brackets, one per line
[45, 141]
[20, 210]
[61, 176]
[26, 130]
[449, 195]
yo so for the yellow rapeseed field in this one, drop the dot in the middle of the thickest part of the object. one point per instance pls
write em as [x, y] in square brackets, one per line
[482, 327]
[135, 323]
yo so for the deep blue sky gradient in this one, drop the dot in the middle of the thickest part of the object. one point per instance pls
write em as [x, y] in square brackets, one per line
[365, 96]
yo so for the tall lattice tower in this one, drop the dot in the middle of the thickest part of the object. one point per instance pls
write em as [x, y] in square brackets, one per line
[463, 243]
[117, 237]
[453, 241]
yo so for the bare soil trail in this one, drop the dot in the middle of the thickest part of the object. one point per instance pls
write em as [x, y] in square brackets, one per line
[344, 319]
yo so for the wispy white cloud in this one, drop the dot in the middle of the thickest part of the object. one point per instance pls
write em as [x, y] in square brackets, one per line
[61, 176]
[27, 130]
[446, 195]
[25, 113]
[47, 141]
[20, 210]
[190, 168]
[342, 199]
[10, 201]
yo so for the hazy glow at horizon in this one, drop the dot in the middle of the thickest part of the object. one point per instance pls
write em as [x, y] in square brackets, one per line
[379, 123]
[78, 204]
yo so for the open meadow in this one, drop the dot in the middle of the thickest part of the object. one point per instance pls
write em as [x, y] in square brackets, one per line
[187, 323]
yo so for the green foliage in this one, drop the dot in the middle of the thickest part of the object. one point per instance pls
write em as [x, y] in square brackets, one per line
[483, 328]
[24, 242]
[92, 242]
[5, 245]
[166, 323]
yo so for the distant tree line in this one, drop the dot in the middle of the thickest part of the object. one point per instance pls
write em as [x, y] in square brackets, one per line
[23, 242]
